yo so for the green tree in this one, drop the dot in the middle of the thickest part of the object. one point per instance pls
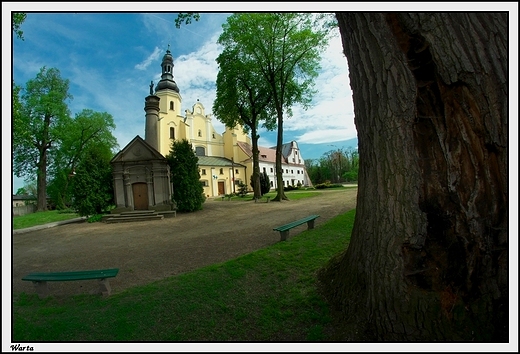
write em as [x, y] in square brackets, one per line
[92, 183]
[88, 128]
[17, 20]
[428, 256]
[188, 193]
[265, 184]
[44, 112]
[285, 49]
[242, 98]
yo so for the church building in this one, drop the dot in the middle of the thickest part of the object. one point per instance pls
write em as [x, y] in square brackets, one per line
[225, 160]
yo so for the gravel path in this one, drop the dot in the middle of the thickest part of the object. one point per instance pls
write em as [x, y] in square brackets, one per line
[146, 251]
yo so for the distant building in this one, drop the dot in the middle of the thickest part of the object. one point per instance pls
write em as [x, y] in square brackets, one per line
[225, 160]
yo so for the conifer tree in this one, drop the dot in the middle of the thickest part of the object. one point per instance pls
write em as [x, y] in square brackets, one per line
[187, 189]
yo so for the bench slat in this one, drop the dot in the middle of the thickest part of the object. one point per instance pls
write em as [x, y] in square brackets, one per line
[295, 223]
[76, 275]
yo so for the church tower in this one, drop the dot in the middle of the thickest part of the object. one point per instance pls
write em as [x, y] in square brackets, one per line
[170, 123]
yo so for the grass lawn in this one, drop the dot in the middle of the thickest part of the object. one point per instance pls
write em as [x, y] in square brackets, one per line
[40, 218]
[267, 295]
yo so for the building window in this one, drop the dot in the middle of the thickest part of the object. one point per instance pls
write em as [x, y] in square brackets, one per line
[171, 105]
[203, 171]
[297, 172]
[221, 171]
[200, 133]
[213, 135]
[293, 160]
[292, 172]
[264, 170]
[200, 151]
[236, 171]
[172, 133]
[296, 152]
[204, 183]
[286, 170]
[271, 170]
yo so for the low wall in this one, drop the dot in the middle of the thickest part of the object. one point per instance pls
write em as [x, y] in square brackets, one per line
[24, 209]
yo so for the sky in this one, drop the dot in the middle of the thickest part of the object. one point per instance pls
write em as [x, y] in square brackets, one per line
[110, 59]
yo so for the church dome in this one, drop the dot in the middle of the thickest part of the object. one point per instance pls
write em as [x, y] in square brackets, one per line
[167, 82]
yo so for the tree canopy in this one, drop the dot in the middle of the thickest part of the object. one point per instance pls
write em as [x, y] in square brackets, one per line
[38, 128]
[282, 51]
[243, 98]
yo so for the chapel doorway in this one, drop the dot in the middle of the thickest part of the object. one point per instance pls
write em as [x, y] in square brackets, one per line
[221, 190]
[140, 191]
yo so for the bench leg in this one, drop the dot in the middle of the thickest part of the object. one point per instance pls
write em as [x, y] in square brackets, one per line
[283, 235]
[41, 289]
[104, 287]
[310, 224]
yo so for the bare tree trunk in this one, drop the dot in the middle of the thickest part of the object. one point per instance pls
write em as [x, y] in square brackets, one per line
[428, 258]
[41, 182]
[256, 165]
[280, 194]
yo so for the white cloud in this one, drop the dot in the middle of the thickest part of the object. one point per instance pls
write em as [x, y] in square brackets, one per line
[325, 136]
[152, 57]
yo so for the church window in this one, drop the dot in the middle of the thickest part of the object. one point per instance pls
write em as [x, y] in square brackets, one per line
[200, 151]
[236, 171]
[171, 105]
[213, 135]
[200, 133]
[221, 171]
[172, 133]
[203, 171]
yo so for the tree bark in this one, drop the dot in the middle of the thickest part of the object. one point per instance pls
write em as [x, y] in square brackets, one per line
[256, 164]
[428, 257]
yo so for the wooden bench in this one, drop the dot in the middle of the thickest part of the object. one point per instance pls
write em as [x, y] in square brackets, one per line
[40, 279]
[284, 229]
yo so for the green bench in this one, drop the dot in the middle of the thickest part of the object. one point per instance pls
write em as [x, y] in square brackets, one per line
[284, 229]
[40, 279]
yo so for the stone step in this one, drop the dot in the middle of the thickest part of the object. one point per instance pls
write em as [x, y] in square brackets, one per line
[120, 218]
[138, 212]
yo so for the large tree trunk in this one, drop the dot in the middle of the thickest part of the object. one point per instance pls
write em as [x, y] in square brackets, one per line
[428, 257]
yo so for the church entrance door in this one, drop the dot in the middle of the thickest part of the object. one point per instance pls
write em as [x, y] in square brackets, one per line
[140, 191]
[221, 188]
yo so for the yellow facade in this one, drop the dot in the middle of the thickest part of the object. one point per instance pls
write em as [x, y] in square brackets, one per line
[224, 159]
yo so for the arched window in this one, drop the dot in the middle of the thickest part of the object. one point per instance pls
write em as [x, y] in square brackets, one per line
[171, 105]
[200, 151]
[200, 133]
[221, 171]
[172, 133]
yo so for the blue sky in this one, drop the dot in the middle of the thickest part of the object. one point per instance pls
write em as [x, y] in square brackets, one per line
[110, 59]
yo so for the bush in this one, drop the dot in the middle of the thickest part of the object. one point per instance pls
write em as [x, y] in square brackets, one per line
[327, 185]
[242, 189]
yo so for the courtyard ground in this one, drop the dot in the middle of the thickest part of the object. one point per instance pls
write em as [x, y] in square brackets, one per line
[147, 251]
